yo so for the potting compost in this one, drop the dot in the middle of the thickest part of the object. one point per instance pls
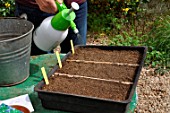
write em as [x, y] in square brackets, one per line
[97, 87]
[90, 85]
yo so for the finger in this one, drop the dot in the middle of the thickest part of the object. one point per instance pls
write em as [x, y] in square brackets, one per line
[52, 6]
[47, 6]
[60, 1]
[42, 5]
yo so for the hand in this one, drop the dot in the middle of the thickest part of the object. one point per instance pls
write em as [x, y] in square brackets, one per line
[48, 6]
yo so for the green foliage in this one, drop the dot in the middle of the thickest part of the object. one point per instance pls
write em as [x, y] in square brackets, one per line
[106, 14]
[158, 42]
[118, 7]
[160, 34]
[126, 39]
[7, 8]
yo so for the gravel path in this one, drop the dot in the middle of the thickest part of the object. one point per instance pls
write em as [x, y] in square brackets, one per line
[153, 92]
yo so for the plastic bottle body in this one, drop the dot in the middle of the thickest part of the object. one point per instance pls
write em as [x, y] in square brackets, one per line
[46, 37]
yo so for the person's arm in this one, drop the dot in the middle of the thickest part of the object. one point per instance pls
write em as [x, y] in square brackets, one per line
[48, 6]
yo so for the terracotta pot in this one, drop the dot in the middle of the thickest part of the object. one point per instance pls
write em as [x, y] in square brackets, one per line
[21, 108]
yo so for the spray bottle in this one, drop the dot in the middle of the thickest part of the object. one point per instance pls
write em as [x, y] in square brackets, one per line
[54, 29]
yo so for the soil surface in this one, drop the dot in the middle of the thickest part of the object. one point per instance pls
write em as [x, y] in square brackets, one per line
[102, 77]
[103, 71]
[95, 54]
[88, 88]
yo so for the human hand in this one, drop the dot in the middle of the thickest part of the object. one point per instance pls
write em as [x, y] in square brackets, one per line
[48, 6]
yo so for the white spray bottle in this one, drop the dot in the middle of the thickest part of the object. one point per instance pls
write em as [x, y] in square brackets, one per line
[54, 29]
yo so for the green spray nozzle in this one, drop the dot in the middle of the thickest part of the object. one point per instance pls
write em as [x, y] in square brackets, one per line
[64, 18]
[60, 6]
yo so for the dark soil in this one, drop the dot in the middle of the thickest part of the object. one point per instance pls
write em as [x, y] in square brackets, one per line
[103, 71]
[82, 85]
[95, 54]
[90, 88]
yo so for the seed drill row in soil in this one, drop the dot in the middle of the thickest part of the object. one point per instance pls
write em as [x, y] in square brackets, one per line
[103, 71]
[99, 79]
[96, 54]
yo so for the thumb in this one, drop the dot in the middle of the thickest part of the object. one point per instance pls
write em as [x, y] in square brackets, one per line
[60, 1]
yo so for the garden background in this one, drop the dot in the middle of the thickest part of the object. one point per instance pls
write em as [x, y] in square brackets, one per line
[132, 23]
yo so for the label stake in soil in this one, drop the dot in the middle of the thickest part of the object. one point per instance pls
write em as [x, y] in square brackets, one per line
[58, 58]
[45, 76]
[72, 47]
